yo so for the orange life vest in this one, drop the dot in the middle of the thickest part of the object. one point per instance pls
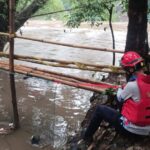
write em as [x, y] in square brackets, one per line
[139, 112]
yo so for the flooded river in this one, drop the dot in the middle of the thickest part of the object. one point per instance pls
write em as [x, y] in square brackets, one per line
[47, 109]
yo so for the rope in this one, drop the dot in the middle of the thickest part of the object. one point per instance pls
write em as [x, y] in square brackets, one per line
[55, 88]
[59, 11]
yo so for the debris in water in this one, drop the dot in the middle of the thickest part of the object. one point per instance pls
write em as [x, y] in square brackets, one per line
[35, 139]
[6, 128]
[38, 141]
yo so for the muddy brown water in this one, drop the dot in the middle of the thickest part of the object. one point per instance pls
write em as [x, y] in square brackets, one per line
[47, 109]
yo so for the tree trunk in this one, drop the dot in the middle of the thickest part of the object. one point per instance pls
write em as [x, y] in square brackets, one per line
[137, 27]
[3, 22]
[3, 41]
[112, 32]
[21, 17]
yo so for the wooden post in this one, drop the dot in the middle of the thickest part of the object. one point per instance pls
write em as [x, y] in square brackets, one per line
[11, 62]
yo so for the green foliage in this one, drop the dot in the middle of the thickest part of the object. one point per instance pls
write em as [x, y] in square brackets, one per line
[51, 6]
[3, 9]
[124, 5]
[90, 11]
[110, 91]
[148, 11]
[68, 3]
[21, 4]
[3, 15]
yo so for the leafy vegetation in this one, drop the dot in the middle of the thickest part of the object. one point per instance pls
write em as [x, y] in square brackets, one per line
[51, 6]
[21, 4]
[24, 10]
[94, 11]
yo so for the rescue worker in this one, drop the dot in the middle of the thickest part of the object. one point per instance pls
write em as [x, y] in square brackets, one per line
[134, 117]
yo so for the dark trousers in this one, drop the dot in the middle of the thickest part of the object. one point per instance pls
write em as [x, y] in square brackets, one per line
[107, 114]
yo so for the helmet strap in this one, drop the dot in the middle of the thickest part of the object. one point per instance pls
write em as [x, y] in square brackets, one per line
[130, 70]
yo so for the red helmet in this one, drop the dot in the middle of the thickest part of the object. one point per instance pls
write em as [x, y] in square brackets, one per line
[131, 59]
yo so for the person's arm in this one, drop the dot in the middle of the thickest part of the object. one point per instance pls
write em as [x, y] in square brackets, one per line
[125, 93]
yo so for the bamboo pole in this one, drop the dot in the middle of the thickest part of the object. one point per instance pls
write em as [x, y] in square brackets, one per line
[58, 61]
[31, 69]
[65, 64]
[11, 63]
[69, 45]
[4, 34]
[64, 44]
[107, 70]
[58, 80]
[65, 75]
[94, 86]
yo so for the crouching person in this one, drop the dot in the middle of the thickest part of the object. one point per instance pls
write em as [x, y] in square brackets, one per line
[134, 117]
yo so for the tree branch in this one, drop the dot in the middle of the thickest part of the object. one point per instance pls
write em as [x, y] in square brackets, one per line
[23, 16]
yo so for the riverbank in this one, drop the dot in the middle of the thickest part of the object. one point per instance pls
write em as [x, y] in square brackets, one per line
[117, 26]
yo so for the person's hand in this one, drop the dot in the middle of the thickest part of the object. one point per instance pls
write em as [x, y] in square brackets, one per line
[110, 91]
[119, 91]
